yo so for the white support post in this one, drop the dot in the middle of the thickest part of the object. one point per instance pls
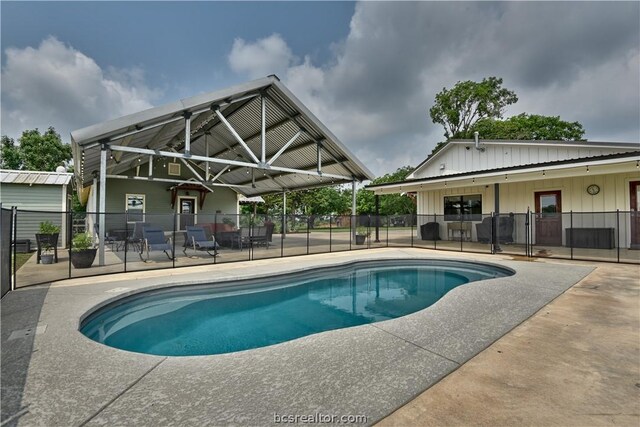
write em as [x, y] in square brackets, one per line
[263, 130]
[101, 205]
[353, 207]
[187, 134]
[319, 159]
[150, 165]
[237, 137]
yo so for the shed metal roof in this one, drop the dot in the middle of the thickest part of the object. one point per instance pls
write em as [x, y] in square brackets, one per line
[8, 176]
[163, 128]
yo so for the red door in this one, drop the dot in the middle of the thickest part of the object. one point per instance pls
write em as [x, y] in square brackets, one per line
[634, 189]
[548, 218]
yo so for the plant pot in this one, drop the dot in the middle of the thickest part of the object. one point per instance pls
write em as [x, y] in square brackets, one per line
[46, 259]
[83, 258]
[360, 239]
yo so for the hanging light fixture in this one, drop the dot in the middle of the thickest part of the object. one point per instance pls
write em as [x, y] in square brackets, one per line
[543, 172]
[587, 168]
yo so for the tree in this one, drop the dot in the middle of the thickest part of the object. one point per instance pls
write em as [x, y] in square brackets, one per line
[10, 155]
[35, 151]
[459, 108]
[528, 126]
[390, 204]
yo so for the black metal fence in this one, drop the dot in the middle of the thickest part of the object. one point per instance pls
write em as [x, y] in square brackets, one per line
[6, 255]
[129, 246]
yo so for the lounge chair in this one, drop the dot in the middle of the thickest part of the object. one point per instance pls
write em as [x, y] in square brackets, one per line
[108, 238]
[137, 238]
[197, 240]
[153, 240]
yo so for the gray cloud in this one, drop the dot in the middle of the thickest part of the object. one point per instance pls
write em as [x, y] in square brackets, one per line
[577, 60]
[57, 84]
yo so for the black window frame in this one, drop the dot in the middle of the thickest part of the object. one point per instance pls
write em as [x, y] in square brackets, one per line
[465, 210]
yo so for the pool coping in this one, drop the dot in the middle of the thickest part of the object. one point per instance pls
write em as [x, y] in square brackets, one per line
[369, 369]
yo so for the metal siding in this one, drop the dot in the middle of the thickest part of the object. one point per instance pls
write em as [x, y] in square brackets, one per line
[33, 198]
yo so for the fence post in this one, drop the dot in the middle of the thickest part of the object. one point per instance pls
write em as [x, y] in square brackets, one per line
[308, 223]
[618, 233]
[173, 240]
[330, 230]
[387, 230]
[282, 224]
[493, 221]
[126, 241]
[14, 233]
[369, 232]
[411, 224]
[70, 237]
[527, 237]
[571, 232]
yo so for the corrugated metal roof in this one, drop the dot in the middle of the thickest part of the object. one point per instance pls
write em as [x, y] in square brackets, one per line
[519, 168]
[34, 177]
[285, 116]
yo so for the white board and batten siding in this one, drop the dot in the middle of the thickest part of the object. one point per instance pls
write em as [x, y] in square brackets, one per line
[462, 156]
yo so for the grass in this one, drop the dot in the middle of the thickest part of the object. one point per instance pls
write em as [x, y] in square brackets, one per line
[21, 259]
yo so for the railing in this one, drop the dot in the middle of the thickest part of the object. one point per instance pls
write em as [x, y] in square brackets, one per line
[599, 236]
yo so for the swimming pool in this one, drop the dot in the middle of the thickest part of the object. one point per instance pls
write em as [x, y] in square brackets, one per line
[223, 318]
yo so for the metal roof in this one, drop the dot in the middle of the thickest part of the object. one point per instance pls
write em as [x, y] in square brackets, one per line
[248, 200]
[8, 176]
[163, 128]
[631, 146]
[569, 163]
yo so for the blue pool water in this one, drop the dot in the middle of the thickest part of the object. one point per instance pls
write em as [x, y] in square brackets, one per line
[200, 319]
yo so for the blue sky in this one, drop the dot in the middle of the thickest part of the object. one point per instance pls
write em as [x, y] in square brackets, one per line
[181, 46]
[368, 70]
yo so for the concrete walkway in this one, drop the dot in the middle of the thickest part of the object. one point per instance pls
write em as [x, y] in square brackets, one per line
[575, 362]
[53, 375]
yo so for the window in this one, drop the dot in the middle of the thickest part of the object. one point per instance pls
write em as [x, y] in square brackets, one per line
[463, 208]
[135, 207]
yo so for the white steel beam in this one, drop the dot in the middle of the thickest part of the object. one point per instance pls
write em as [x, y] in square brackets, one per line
[237, 137]
[223, 161]
[177, 181]
[284, 147]
[319, 159]
[353, 207]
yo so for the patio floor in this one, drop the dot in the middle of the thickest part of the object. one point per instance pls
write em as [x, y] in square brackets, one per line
[53, 375]
[294, 244]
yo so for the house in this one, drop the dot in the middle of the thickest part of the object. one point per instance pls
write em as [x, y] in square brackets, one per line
[571, 187]
[33, 192]
[189, 161]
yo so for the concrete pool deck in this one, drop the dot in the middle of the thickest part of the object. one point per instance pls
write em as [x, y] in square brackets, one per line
[53, 375]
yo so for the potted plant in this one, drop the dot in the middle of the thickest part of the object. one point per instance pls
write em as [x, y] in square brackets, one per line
[47, 240]
[361, 235]
[82, 251]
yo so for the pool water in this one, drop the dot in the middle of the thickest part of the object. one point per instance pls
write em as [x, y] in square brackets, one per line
[201, 320]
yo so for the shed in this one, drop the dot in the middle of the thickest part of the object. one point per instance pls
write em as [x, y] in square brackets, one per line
[45, 194]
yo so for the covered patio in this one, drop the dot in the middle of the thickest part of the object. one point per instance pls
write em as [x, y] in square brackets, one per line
[255, 138]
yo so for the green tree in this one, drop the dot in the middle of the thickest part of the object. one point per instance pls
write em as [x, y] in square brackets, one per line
[9, 154]
[390, 204]
[35, 151]
[459, 108]
[528, 126]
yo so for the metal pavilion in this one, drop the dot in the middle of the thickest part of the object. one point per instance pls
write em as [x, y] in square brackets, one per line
[256, 138]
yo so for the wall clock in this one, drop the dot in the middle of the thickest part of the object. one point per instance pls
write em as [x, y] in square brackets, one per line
[593, 189]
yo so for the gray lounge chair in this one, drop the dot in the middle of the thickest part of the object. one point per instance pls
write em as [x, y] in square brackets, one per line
[197, 240]
[153, 240]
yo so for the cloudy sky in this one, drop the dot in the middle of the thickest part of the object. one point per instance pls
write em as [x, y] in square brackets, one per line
[369, 70]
